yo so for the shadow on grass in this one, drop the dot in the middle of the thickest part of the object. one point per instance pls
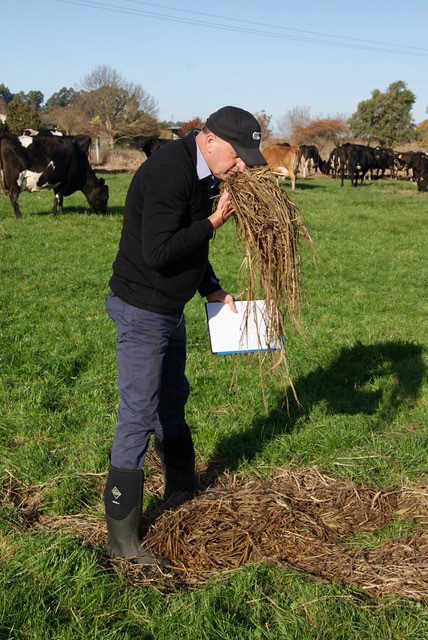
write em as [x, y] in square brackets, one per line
[304, 186]
[113, 172]
[352, 384]
[72, 210]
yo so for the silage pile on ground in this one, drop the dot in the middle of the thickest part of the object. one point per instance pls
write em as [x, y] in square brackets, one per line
[300, 519]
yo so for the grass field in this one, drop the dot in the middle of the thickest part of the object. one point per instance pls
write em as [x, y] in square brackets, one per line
[358, 368]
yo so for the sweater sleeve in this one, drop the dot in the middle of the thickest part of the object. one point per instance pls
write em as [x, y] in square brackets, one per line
[209, 282]
[166, 198]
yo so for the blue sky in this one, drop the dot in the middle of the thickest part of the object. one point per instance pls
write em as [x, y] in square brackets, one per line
[193, 69]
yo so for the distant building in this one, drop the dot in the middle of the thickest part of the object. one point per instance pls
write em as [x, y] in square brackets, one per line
[174, 132]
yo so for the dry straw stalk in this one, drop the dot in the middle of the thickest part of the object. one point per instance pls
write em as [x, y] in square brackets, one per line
[271, 226]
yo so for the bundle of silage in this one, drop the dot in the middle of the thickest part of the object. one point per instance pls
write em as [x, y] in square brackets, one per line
[271, 226]
[328, 528]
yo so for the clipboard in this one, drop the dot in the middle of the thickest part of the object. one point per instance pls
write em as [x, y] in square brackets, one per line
[241, 332]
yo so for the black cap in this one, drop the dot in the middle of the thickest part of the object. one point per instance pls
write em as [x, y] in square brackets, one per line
[240, 129]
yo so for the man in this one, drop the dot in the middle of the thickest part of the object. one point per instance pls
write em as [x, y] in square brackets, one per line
[162, 261]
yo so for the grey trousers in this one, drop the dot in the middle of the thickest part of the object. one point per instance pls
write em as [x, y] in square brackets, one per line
[153, 388]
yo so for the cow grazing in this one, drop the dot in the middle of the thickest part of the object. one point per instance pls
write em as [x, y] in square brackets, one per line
[355, 160]
[284, 161]
[332, 164]
[82, 140]
[38, 163]
[405, 160]
[310, 158]
[383, 158]
[420, 169]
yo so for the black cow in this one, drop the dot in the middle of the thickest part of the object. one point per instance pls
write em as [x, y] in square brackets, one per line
[82, 140]
[420, 170]
[405, 160]
[355, 160]
[150, 144]
[37, 163]
[310, 157]
[383, 158]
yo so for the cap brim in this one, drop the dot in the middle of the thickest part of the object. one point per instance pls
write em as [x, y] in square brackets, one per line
[251, 157]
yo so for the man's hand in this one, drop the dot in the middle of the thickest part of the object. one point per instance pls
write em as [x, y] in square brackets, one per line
[223, 212]
[224, 297]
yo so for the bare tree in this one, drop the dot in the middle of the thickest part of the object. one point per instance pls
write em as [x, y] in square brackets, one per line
[73, 120]
[264, 120]
[324, 132]
[293, 121]
[120, 109]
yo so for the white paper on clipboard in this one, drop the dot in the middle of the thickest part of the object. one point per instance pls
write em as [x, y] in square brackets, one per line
[238, 332]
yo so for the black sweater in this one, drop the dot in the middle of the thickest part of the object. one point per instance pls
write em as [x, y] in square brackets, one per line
[163, 252]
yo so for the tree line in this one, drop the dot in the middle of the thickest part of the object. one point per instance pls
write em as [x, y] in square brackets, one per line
[107, 105]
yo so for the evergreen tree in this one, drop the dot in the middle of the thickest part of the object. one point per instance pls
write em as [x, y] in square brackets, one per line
[386, 117]
[61, 98]
[5, 93]
[33, 99]
[19, 116]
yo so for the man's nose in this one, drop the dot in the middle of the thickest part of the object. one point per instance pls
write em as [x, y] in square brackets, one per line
[240, 164]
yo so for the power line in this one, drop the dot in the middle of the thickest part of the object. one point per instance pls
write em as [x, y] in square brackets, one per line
[274, 26]
[117, 9]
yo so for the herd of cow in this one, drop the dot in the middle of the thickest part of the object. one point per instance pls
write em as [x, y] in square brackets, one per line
[353, 161]
[38, 160]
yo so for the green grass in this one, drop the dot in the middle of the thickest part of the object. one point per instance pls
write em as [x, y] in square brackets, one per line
[359, 371]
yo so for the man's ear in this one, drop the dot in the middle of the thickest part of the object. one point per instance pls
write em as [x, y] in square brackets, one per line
[209, 139]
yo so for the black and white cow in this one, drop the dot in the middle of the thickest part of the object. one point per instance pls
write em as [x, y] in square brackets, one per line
[82, 140]
[310, 158]
[36, 163]
[332, 165]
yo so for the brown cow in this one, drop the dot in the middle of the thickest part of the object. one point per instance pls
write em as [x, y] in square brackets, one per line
[283, 161]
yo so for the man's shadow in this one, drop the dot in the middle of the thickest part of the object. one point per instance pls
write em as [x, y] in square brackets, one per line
[345, 386]
[354, 383]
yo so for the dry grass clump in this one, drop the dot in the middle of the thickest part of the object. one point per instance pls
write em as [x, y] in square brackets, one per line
[299, 518]
[121, 160]
[271, 225]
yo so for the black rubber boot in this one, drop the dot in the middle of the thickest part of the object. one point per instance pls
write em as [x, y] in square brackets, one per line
[123, 501]
[178, 464]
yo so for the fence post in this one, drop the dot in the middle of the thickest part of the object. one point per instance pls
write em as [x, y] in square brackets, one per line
[97, 151]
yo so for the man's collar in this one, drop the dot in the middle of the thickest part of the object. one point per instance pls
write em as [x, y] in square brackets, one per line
[202, 169]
